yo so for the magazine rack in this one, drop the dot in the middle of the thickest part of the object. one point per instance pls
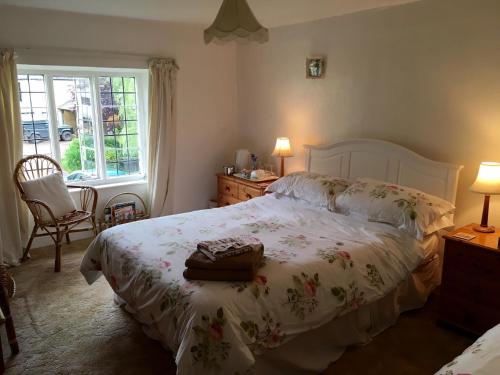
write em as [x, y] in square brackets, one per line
[140, 214]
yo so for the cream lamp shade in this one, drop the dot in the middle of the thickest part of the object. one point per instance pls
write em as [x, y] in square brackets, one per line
[282, 148]
[487, 183]
[235, 21]
[488, 179]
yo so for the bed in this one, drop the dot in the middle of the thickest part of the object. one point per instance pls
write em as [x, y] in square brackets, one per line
[481, 358]
[329, 280]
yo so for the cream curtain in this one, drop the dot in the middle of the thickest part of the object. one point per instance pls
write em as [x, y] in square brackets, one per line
[162, 103]
[13, 212]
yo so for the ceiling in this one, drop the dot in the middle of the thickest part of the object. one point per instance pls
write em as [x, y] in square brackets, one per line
[270, 13]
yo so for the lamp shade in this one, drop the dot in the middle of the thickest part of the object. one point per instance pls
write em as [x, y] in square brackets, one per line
[235, 21]
[488, 179]
[282, 148]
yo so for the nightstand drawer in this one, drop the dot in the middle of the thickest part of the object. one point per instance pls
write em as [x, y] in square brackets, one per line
[485, 263]
[476, 288]
[227, 187]
[246, 192]
[469, 316]
[227, 200]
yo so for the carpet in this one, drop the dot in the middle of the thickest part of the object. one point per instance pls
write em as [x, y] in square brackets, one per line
[65, 326]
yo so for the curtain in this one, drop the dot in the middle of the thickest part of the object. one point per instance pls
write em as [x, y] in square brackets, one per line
[13, 212]
[161, 150]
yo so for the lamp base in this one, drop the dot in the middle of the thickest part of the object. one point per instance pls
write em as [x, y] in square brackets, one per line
[479, 228]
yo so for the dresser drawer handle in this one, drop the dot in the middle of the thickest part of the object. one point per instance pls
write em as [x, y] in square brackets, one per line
[228, 188]
[249, 196]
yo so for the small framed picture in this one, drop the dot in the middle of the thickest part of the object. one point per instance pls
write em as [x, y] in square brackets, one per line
[315, 67]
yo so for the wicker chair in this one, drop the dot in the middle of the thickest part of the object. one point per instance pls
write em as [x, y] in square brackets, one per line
[37, 166]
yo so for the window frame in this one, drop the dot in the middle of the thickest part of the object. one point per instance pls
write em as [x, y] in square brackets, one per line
[141, 82]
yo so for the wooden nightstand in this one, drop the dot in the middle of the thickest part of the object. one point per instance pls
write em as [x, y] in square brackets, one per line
[470, 288]
[232, 190]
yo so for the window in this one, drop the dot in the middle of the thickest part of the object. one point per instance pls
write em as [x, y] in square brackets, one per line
[91, 121]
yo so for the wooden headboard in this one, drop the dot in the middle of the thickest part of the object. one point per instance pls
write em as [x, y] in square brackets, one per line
[384, 161]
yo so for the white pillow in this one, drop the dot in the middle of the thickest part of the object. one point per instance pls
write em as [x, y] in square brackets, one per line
[314, 188]
[52, 191]
[408, 209]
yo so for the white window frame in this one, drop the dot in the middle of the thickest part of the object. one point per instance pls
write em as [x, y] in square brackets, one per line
[141, 79]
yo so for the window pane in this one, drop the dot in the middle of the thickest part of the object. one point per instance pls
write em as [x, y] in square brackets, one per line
[34, 115]
[38, 100]
[117, 84]
[104, 84]
[110, 149]
[106, 99]
[108, 128]
[110, 113]
[119, 115]
[130, 113]
[132, 141]
[23, 85]
[36, 83]
[130, 100]
[131, 127]
[118, 99]
[75, 127]
[129, 84]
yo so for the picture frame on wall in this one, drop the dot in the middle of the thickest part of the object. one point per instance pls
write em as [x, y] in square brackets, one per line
[315, 67]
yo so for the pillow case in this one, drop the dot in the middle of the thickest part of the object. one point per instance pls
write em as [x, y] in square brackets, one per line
[405, 208]
[314, 188]
[52, 191]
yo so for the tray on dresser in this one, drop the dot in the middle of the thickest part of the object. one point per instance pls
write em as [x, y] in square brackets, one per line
[263, 179]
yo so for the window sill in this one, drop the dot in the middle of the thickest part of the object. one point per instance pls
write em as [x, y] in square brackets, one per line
[115, 185]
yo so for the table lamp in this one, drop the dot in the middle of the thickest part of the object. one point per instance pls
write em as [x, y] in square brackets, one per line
[283, 150]
[487, 183]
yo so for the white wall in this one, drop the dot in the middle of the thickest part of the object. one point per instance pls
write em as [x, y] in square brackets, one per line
[425, 75]
[207, 105]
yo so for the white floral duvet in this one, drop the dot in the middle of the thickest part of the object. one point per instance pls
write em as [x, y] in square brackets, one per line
[318, 266]
[481, 358]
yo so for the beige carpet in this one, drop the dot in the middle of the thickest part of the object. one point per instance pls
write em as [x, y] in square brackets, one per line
[65, 326]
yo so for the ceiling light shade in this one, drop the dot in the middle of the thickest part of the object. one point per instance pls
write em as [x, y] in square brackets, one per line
[235, 21]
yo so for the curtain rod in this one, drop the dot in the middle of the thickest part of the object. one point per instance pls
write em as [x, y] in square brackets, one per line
[72, 50]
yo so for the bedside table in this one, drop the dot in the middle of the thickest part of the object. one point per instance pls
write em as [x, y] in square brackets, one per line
[232, 190]
[470, 288]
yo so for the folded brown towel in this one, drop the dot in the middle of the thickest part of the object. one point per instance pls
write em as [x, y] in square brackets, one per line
[225, 247]
[246, 261]
[219, 275]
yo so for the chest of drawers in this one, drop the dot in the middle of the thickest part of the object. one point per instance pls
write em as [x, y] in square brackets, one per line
[470, 289]
[232, 190]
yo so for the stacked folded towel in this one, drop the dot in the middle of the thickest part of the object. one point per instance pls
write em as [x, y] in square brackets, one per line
[229, 259]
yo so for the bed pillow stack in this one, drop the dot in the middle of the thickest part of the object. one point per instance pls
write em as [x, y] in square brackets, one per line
[408, 209]
[314, 188]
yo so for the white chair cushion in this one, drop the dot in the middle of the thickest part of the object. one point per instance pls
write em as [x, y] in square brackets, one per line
[52, 191]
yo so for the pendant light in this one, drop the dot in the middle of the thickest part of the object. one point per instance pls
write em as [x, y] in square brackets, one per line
[235, 21]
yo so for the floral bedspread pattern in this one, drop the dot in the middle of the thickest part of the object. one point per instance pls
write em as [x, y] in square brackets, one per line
[481, 358]
[318, 265]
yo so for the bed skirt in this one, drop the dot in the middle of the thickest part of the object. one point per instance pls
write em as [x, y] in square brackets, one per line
[327, 343]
